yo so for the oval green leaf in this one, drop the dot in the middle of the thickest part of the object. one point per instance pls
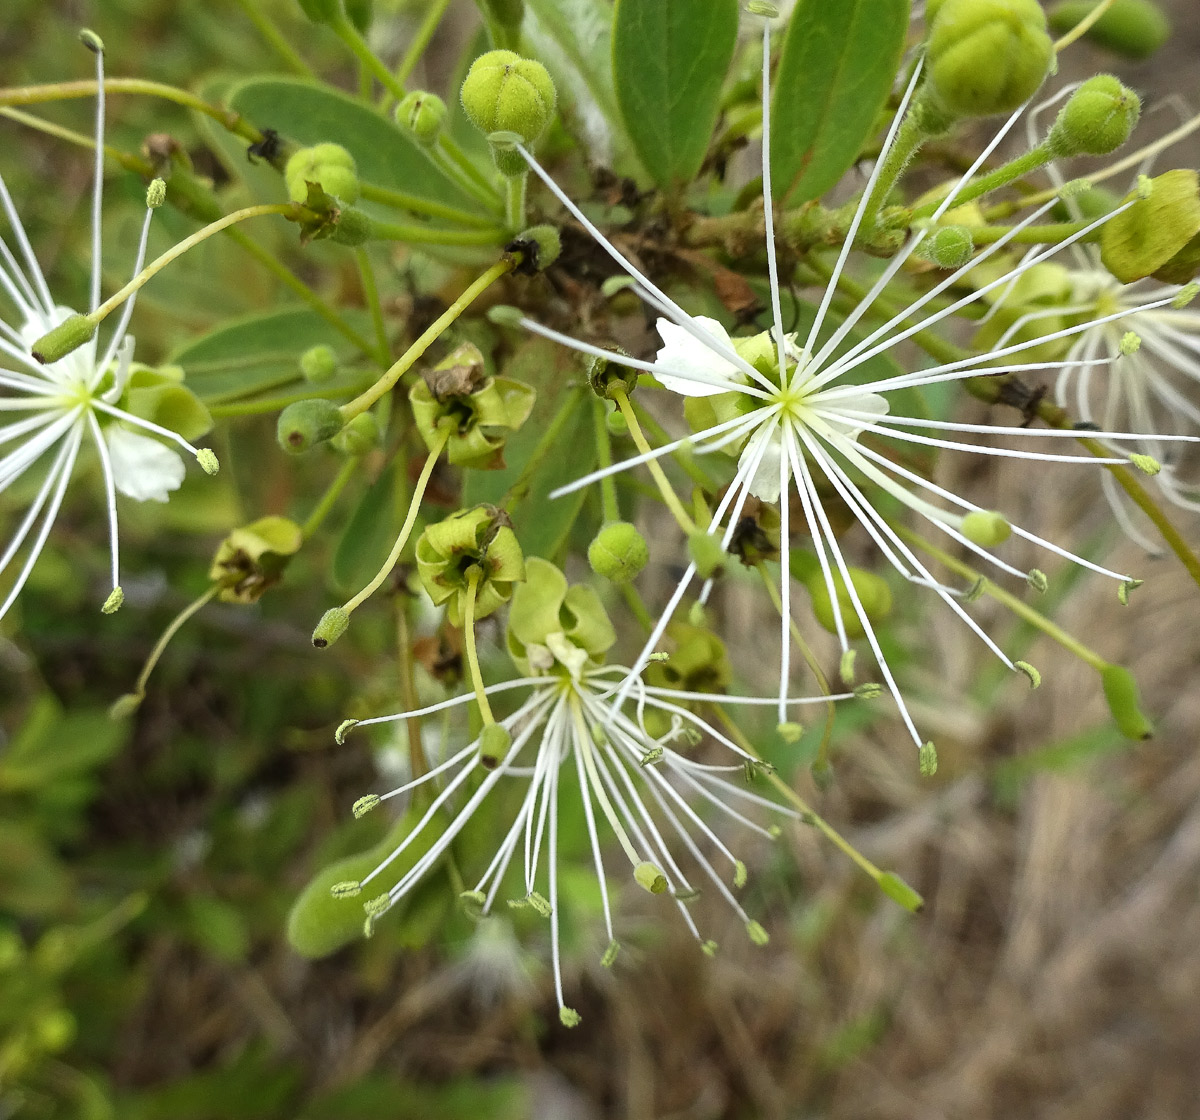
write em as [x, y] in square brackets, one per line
[838, 63]
[669, 60]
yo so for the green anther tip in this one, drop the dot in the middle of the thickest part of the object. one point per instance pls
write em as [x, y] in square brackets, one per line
[377, 905]
[762, 8]
[505, 140]
[369, 927]
[351, 888]
[365, 804]
[846, 668]
[332, 626]
[739, 874]
[156, 193]
[207, 460]
[610, 954]
[1131, 343]
[868, 691]
[757, 934]
[975, 591]
[708, 948]
[649, 877]
[1185, 295]
[91, 40]
[658, 658]
[346, 725]
[569, 1017]
[1125, 587]
[113, 603]
[1074, 187]
[1145, 187]
[685, 894]
[472, 903]
[927, 760]
[653, 755]
[1035, 678]
[540, 903]
[1037, 580]
[505, 315]
[774, 831]
[1147, 464]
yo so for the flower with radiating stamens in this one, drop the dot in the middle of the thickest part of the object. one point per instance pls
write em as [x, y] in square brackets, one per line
[94, 395]
[566, 739]
[805, 415]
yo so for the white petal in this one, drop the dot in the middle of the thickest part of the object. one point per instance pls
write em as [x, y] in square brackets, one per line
[852, 426]
[143, 468]
[685, 353]
[765, 484]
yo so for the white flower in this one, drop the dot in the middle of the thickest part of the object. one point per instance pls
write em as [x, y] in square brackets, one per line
[58, 408]
[569, 741]
[802, 422]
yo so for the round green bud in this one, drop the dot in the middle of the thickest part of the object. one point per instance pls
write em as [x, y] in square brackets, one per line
[304, 424]
[318, 364]
[358, 437]
[985, 528]
[322, 11]
[330, 166]
[352, 228]
[538, 246]
[949, 246]
[1133, 28]
[1096, 120]
[618, 552]
[422, 114]
[873, 593]
[494, 742]
[504, 92]
[987, 56]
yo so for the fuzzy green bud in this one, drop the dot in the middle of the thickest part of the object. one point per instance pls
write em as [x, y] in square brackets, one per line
[422, 114]
[538, 246]
[64, 339]
[1096, 120]
[948, 246]
[322, 11]
[873, 592]
[987, 56]
[494, 742]
[618, 552]
[332, 626]
[1121, 692]
[1132, 28]
[304, 424]
[985, 528]
[352, 227]
[359, 436]
[649, 877]
[330, 166]
[318, 364]
[504, 92]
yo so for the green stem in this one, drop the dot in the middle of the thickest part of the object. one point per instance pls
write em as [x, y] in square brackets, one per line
[608, 484]
[637, 608]
[329, 498]
[365, 400]
[371, 295]
[669, 497]
[421, 40]
[1083, 25]
[176, 251]
[423, 206]
[452, 154]
[253, 10]
[474, 574]
[908, 140]
[139, 687]
[357, 45]
[414, 507]
[515, 195]
[408, 690]
[682, 457]
[1005, 598]
[1014, 169]
[1051, 232]
[426, 235]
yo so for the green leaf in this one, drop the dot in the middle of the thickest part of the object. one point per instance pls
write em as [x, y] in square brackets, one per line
[669, 60]
[52, 746]
[834, 75]
[312, 114]
[258, 352]
[370, 533]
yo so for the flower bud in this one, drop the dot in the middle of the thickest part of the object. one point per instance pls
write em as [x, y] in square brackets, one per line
[987, 56]
[359, 436]
[304, 424]
[985, 528]
[1133, 28]
[330, 166]
[538, 246]
[1096, 120]
[422, 114]
[494, 742]
[318, 364]
[948, 246]
[351, 227]
[504, 92]
[64, 339]
[1163, 218]
[322, 11]
[618, 552]
[873, 593]
[1121, 692]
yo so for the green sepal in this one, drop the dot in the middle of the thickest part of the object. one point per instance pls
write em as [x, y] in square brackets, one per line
[159, 395]
[545, 606]
[253, 557]
[1161, 222]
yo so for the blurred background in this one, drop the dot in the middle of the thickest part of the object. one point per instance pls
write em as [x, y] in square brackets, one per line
[147, 867]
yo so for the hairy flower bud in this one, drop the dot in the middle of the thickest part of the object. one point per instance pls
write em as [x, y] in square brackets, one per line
[873, 593]
[422, 113]
[330, 166]
[304, 424]
[504, 92]
[1096, 120]
[318, 364]
[987, 56]
[1133, 28]
[948, 246]
[64, 339]
[618, 552]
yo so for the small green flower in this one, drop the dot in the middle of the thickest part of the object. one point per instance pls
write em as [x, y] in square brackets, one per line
[252, 558]
[551, 622]
[448, 551]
